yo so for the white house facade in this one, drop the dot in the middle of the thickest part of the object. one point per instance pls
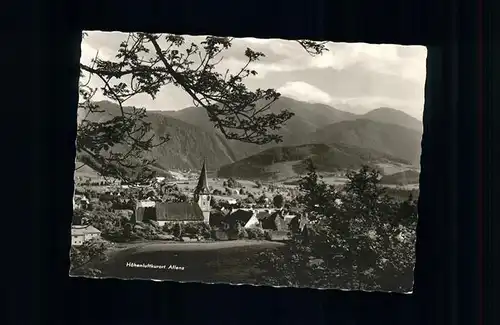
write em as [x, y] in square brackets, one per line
[82, 233]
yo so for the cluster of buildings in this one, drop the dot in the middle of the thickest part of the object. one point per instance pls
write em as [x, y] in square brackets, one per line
[199, 209]
[195, 210]
[97, 181]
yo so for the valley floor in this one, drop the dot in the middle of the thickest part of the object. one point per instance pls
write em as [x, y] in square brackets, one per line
[214, 262]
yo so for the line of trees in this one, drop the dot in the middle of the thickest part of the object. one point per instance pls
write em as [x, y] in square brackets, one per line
[359, 238]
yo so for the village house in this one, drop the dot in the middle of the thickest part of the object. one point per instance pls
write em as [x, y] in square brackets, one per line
[195, 210]
[273, 221]
[236, 217]
[80, 201]
[253, 222]
[262, 215]
[267, 219]
[231, 200]
[217, 217]
[83, 233]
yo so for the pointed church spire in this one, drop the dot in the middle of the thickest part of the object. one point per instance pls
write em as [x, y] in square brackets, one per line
[202, 187]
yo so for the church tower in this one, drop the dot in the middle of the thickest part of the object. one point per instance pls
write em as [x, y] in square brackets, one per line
[202, 194]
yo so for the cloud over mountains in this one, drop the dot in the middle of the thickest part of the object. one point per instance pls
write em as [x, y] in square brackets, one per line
[350, 74]
[300, 90]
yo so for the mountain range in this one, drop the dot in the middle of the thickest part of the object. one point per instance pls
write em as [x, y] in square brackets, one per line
[391, 139]
[382, 133]
[187, 146]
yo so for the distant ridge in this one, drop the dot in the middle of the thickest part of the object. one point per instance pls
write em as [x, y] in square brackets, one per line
[194, 137]
[280, 163]
[311, 115]
[308, 118]
[188, 144]
[390, 139]
[393, 116]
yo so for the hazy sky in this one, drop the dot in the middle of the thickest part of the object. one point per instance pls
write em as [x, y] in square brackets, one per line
[355, 77]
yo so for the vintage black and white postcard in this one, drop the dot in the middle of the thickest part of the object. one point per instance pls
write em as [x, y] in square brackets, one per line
[248, 161]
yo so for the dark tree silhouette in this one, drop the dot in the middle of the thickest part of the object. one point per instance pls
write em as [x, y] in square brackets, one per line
[91, 250]
[262, 199]
[278, 201]
[317, 196]
[143, 64]
[366, 242]
[232, 183]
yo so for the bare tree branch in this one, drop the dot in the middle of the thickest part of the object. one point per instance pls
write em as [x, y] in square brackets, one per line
[143, 64]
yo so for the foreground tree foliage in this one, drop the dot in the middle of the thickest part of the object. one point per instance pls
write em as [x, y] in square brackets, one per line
[143, 65]
[81, 257]
[358, 238]
[278, 201]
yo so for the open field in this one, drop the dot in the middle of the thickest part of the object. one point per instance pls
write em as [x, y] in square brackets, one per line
[250, 186]
[342, 181]
[389, 169]
[217, 184]
[232, 261]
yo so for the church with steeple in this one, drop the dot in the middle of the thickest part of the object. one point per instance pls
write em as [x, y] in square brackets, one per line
[202, 194]
[195, 210]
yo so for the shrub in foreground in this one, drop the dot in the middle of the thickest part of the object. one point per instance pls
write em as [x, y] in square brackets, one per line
[256, 233]
[82, 256]
[200, 229]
